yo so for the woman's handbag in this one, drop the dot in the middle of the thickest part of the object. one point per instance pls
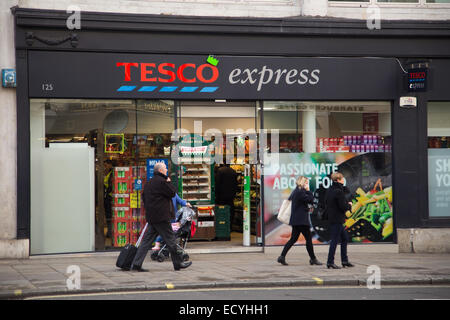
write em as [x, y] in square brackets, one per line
[284, 214]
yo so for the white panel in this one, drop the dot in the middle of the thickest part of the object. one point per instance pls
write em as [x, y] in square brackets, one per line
[62, 192]
[66, 219]
[438, 119]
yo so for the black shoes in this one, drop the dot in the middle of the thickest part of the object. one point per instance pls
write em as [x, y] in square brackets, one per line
[282, 260]
[139, 269]
[182, 265]
[344, 264]
[347, 264]
[315, 262]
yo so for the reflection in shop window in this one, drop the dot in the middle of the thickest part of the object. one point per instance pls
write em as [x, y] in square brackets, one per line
[319, 138]
[123, 134]
[330, 127]
[439, 159]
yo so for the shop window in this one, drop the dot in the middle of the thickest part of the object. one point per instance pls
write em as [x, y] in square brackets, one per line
[283, 116]
[439, 159]
[386, 1]
[351, 137]
[87, 159]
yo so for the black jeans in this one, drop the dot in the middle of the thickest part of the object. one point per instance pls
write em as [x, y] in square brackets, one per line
[338, 234]
[165, 231]
[296, 230]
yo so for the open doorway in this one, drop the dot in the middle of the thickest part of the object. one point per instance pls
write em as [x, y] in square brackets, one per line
[230, 182]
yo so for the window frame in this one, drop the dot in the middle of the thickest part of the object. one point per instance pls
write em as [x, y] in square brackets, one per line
[430, 221]
[365, 4]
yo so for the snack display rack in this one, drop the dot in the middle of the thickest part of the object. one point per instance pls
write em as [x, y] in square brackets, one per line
[128, 215]
[196, 183]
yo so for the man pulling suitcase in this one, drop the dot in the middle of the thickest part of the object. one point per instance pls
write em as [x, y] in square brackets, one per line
[128, 253]
[159, 211]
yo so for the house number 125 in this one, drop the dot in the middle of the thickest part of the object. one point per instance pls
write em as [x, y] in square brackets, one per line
[47, 87]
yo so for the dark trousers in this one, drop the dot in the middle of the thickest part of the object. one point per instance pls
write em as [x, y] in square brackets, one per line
[338, 234]
[163, 229]
[296, 230]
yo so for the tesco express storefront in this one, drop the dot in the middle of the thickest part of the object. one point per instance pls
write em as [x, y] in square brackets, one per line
[288, 114]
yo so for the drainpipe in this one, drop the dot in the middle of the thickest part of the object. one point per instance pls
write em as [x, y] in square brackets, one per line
[411, 240]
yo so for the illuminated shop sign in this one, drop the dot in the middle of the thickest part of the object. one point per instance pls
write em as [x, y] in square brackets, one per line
[417, 79]
[149, 76]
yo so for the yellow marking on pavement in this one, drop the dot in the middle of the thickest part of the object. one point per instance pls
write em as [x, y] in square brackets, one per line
[170, 285]
[318, 280]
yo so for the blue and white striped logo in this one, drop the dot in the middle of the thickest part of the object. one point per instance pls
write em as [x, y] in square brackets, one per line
[166, 89]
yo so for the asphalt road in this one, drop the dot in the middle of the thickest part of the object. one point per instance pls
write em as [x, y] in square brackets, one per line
[292, 293]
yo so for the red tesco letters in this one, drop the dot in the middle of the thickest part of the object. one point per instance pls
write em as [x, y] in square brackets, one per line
[168, 72]
[417, 75]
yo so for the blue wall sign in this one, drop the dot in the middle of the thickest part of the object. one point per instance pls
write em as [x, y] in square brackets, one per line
[151, 165]
[8, 78]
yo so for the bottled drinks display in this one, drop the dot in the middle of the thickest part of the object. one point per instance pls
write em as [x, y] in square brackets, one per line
[356, 144]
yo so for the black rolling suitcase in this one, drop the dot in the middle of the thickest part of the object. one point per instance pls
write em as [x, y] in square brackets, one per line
[128, 253]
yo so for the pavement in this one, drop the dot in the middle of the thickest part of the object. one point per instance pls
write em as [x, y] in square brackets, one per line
[229, 268]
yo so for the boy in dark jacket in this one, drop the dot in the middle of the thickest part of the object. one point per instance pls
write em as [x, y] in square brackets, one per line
[337, 205]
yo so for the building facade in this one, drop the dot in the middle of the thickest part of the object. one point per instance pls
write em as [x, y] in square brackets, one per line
[304, 68]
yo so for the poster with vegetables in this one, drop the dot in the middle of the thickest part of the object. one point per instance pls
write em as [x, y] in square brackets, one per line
[368, 180]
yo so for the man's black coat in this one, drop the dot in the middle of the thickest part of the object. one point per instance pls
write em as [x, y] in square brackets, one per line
[158, 194]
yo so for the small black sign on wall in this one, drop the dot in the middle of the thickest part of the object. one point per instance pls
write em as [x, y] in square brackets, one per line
[417, 79]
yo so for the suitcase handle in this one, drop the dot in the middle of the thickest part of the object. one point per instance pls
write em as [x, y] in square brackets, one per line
[142, 234]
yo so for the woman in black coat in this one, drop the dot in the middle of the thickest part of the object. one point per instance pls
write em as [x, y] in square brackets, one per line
[300, 198]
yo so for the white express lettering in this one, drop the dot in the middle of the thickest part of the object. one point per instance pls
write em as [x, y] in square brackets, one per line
[315, 76]
[291, 74]
[266, 76]
[233, 74]
[304, 75]
[249, 76]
